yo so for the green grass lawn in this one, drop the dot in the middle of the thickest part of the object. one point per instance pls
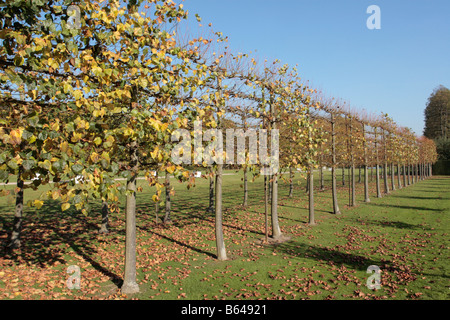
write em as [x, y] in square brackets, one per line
[405, 234]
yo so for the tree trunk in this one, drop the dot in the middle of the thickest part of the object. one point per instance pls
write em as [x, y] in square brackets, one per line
[366, 184]
[105, 218]
[157, 203]
[211, 193]
[321, 178]
[377, 173]
[220, 242]
[276, 231]
[385, 175]
[343, 176]
[14, 242]
[359, 174]
[399, 183]
[312, 222]
[366, 172]
[392, 177]
[352, 159]
[377, 169]
[291, 182]
[333, 167]
[167, 217]
[266, 208]
[245, 187]
[130, 285]
[307, 183]
[270, 188]
[404, 175]
[353, 185]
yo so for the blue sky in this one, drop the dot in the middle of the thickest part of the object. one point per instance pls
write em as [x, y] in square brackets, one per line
[393, 69]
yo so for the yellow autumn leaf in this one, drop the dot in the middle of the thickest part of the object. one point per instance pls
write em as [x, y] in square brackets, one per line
[171, 169]
[65, 206]
[38, 203]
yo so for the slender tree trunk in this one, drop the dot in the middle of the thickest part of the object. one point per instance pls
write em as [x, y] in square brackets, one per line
[266, 208]
[307, 183]
[398, 176]
[105, 218]
[167, 217]
[130, 285]
[404, 175]
[385, 173]
[377, 171]
[276, 231]
[366, 173]
[366, 185]
[211, 193]
[291, 182]
[359, 174]
[386, 184]
[270, 187]
[311, 197]
[321, 178]
[378, 181]
[333, 167]
[14, 242]
[245, 187]
[353, 185]
[352, 159]
[157, 203]
[409, 174]
[343, 176]
[220, 242]
[392, 177]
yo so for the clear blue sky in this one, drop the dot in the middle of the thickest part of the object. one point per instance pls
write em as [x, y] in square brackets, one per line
[393, 70]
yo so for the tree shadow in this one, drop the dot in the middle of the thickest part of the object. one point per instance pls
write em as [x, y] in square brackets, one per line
[179, 242]
[405, 207]
[420, 197]
[395, 224]
[328, 255]
[46, 230]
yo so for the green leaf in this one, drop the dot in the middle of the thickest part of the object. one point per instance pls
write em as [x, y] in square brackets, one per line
[28, 164]
[33, 121]
[13, 164]
[77, 168]
[4, 175]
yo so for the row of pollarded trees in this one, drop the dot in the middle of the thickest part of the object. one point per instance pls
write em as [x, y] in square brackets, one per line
[85, 105]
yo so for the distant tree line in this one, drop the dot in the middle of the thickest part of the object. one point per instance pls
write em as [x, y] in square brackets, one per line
[437, 121]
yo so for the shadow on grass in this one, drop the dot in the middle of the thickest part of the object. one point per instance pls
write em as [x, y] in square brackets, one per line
[328, 255]
[405, 207]
[394, 224]
[44, 232]
[179, 242]
[420, 197]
